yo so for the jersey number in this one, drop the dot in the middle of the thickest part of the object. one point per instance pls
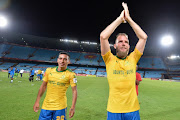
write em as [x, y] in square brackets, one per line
[60, 117]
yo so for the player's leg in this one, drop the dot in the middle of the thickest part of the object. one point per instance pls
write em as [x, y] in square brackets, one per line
[8, 75]
[60, 114]
[46, 115]
[114, 116]
[37, 77]
[40, 76]
[32, 78]
[132, 115]
[11, 76]
[15, 75]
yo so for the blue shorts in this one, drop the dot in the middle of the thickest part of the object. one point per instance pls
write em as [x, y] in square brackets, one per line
[123, 116]
[53, 114]
[11, 76]
[40, 76]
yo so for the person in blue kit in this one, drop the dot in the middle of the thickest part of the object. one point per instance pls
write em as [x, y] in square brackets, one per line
[31, 75]
[12, 74]
[9, 71]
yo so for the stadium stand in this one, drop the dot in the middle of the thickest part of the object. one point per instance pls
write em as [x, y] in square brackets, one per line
[20, 52]
[88, 59]
[45, 55]
[4, 49]
[85, 57]
[6, 65]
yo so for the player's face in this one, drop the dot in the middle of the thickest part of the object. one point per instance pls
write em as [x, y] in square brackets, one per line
[63, 60]
[122, 45]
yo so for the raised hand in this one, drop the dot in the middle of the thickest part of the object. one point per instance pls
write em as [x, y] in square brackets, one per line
[122, 17]
[126, 11]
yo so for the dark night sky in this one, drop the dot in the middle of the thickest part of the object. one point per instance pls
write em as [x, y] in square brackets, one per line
[84, 20]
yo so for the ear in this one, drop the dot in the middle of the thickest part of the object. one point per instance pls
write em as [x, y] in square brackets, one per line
[114, 46]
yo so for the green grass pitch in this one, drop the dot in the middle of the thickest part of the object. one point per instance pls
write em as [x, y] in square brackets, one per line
[159, 100]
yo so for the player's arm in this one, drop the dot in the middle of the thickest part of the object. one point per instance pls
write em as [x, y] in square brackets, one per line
[72, 109]
[137, 29]
[106, 33]
[137, 82]
[42, 89]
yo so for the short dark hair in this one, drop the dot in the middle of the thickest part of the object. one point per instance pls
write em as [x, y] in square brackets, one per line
[64, 53]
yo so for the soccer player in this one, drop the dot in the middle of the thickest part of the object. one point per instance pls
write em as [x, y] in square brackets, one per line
[39, 75]
[12, 74]
[9, 71]
[121, 69]
[31, 75]
[57, 80]
[138, 79]
[21, 72]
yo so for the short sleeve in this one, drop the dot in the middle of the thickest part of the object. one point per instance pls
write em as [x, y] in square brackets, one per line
[45, 78]
[107, 57]
[136, 54]
[73, 80]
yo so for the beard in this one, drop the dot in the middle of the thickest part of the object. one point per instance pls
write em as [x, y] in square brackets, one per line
[122, 54]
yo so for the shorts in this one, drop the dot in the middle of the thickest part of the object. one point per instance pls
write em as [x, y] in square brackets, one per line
[53, 114]
[123, 116]
[11, 76]
[40, 76]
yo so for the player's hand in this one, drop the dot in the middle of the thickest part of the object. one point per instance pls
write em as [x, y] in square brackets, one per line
[122, 17]
[36, 107]
[126, 11]
[137, 82]
[71, 112]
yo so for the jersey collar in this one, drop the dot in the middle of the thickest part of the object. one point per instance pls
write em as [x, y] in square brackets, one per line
[60, 71]
[121, 58]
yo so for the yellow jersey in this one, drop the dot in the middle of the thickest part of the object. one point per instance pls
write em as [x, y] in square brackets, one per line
[39, 71]
[121, 75]
[57, 84]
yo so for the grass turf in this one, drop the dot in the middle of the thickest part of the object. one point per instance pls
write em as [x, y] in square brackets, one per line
[159, 100]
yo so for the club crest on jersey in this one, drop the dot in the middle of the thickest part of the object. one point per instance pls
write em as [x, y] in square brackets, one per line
[62, 77]
[127, 63]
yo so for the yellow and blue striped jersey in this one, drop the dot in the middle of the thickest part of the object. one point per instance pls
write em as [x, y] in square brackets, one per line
[121, 75]
[57, 84]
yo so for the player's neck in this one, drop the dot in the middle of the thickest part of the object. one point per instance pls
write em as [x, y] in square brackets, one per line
[61, 68]
[121, 56]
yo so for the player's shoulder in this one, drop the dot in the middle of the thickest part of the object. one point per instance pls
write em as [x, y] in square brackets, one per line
[51, 68]
[69, 70]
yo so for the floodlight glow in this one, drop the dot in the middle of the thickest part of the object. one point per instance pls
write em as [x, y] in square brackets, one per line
[167, 40]
[174, 57]
[75, 41]
[3, 21]
[93, 43]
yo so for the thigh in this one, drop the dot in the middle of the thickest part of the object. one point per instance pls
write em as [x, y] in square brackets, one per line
[60, 114]
[46, 114]
[132, 115]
